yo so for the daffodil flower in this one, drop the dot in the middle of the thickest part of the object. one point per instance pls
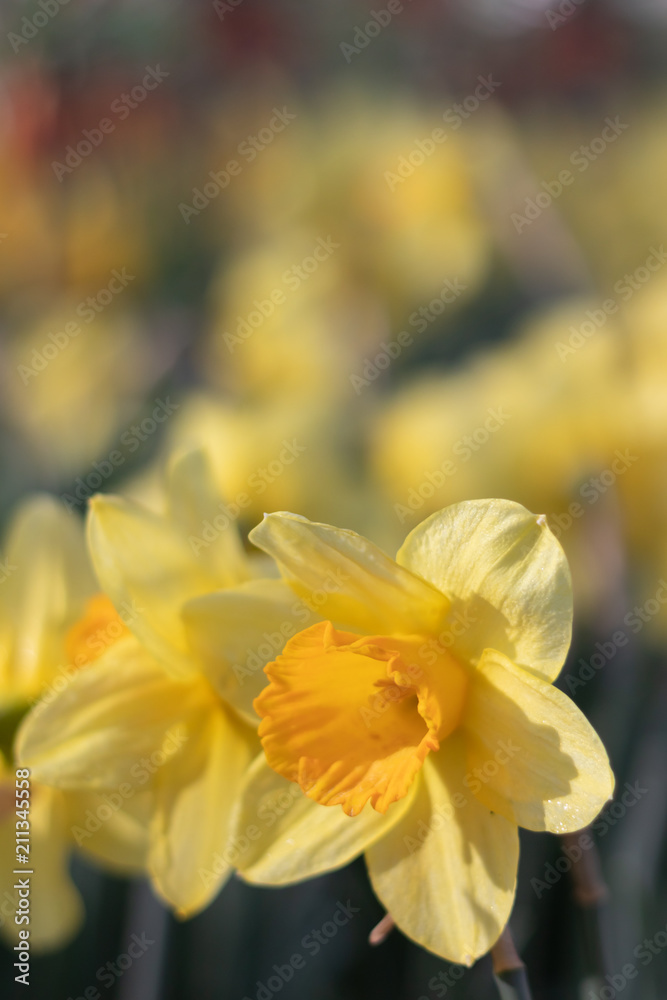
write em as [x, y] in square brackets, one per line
[420, 720]
[163, 706]
[47, 585]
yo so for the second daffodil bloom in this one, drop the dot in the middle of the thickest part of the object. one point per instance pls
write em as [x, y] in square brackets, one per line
[45, 587]
[419, 718]
[151, 712]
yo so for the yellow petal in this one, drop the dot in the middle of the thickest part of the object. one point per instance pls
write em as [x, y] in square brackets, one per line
[149, 570]
[56, 909]
[281, 836]
[198, 512]
[50, 579]
[534, 757]
[345, 578]
[236, 632]
[94, 733]
[447, 871]
[195, 794]
[112, 827]
[506, 576]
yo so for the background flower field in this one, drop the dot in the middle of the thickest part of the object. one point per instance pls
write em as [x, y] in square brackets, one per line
[373, 260]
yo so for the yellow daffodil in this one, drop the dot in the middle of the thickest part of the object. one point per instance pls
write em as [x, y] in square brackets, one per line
[422, 704]
[158, 703]
[280, 330]
[534, 415]
[46, 584]
[273, 455]
[539, 418]
[628, 176]
[405, 214]
[72, 382]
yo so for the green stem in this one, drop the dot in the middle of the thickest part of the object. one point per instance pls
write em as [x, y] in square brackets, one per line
[508, 970]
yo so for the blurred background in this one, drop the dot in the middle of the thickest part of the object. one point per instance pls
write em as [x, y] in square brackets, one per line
[423, 243]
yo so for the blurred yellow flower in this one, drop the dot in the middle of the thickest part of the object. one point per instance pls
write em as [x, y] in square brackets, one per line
[426, 691]
[281, 321]
[70, 379]
[405, 219]
[643, 490]
[628, 176]
[519, 419]
[159, 702]
[271, 454]
[344, 229]
[549, 418]
[45, 585]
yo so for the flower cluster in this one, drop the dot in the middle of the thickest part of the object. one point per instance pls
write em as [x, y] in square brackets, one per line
[167, 696]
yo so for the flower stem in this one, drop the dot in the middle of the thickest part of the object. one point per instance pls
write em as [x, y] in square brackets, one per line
[591, 896]
[382, 930]
[508, 969]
